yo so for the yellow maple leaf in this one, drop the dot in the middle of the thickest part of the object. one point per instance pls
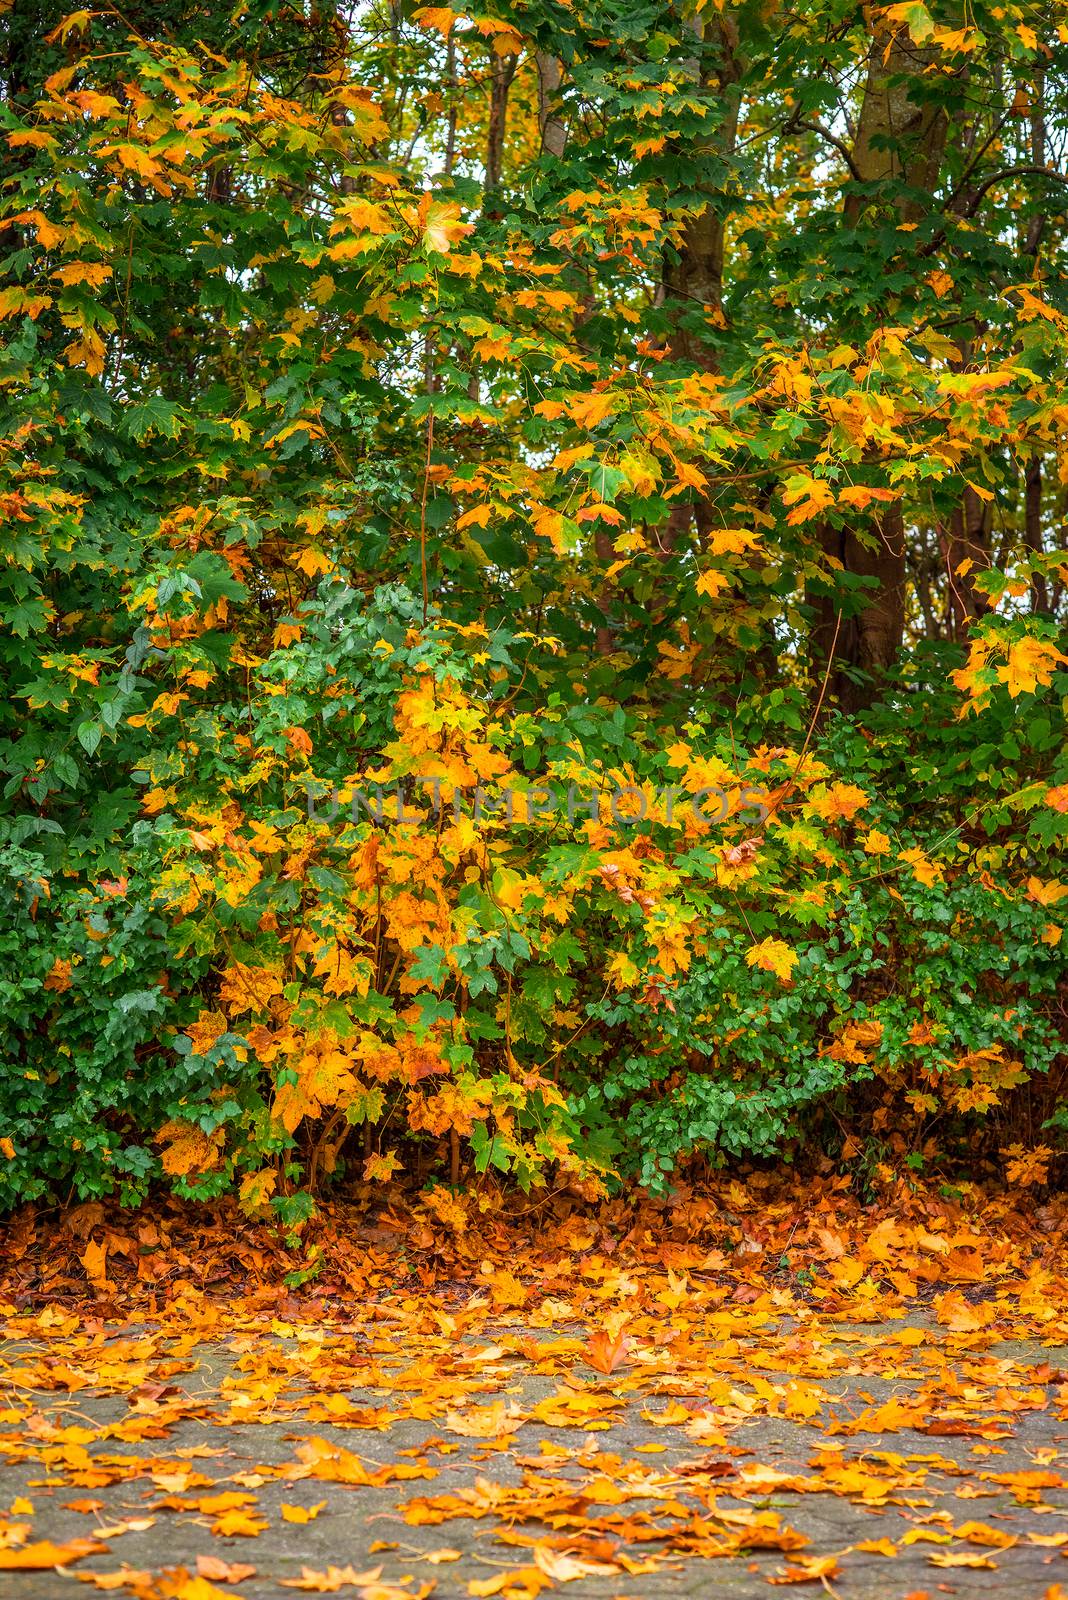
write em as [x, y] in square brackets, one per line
[1046, 894]
[91, 272]
[188, 1148]
[441, 224]
[876, 843]
[441, 19]
[86, 351]
[924, 871]
[1029, 665]
[809, 497]
[95, 1263]
[484, 1422]
[772, 955]
[312, 561]
[380, 1168]
[732, 541]
[837, 801]
[59, 976]
[590, 409]
[74, 22]
[292, 1513]
[256, 1189]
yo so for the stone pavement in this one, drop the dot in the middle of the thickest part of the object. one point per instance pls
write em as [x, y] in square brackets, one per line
[873, 1461]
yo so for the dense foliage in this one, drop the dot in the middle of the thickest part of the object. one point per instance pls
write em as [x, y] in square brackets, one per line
[532, 611]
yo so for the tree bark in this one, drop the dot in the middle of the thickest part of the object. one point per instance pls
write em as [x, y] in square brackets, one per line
[692, 275]
[1032, 243]
[898, 146]
[502, 71]
[899, 140]
[869, 641]
[551, 125]
[969, 540]
[693, 282]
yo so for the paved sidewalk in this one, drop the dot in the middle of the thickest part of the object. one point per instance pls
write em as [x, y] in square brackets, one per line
[486, 1455]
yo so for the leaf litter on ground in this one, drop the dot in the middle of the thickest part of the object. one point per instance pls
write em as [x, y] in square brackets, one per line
[530, 1346]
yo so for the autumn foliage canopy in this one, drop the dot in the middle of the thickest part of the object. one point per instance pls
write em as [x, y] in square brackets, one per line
[532, 601]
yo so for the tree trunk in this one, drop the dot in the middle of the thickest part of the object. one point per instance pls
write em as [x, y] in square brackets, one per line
[899, 140]
[1032, 243]
[1033, 533]
[502, 71]
[693, 282]
[898, 146]
[969, 540]
[551, 125]
[692, 275]
[869, 641]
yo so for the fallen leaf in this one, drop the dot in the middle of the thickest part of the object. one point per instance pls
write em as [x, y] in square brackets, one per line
[330, 1581]
[221, 1571]
[605, 1353]
[302, 1513]
[43, 1554]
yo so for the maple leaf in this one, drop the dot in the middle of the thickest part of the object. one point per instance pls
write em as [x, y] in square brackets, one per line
[515, 1582]
[960, 1558]
[565, 1568]
[88, 351]
[589, 410]
[188, 1148]
[95, 1263]
[331, 1580]
[485, 1422]
[860, 496]
[440, 18]
[59, 976]
[313, 561]
[731, 541]
[73, 22]
[772, 955]
[809, 497]
[956, 1313]
[256, 1190]
[808, 1569]
[214, 1567]
[1029, 665]
[298, 740]
[1026, 1167]
[712, 583]
[1046, 894]
[381, 1166]
[571, 1408]
[291, 1513]
[182, 1585]
[877, 843]
[43, 1554]
[92, 272]
[837, 801]
[605, 1352]
[239, 1523]
[923, 870]
[440, 224]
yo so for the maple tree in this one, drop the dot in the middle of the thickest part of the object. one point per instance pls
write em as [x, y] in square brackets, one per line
[624, 400]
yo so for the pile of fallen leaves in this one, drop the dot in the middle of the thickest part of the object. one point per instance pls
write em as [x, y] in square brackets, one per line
[607, 1374]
